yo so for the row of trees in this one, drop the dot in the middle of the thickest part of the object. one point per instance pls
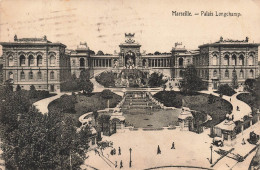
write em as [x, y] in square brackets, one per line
[31, 140]
[76, 84]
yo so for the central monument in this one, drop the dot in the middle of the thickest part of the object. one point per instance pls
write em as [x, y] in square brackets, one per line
[129, 56]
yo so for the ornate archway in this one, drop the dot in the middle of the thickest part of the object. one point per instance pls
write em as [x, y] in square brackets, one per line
[130, 60]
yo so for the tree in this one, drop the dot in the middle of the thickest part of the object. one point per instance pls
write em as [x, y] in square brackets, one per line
[157, 53]
[234, 80]
[191, 82]
[100, 52]
[250, 84]
[107, 94]
[156, 80]
[86, 86]
[107, 79]
[18, 88]
[32, 92]
[84, 75]
[225, 89]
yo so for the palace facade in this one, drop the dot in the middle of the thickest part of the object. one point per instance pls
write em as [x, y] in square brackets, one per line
[218, 62]
[39, 62]
[35, 61]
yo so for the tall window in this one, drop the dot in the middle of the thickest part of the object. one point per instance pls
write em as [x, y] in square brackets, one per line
[30, 75]
[181, 73]
[234, 60]
[226, 60]
[241, 60]
[22, 60]
[10, 61]
[39, 75]
[226, 74]
[52, 59]
[82, 62]
[31, 60]
[215, 73]
[52, 75]
[251, 60]
[251, 73]
[241, 74]
[39, 60]
[180, 61]
[22, 75]
[214, 60]
[11, 75]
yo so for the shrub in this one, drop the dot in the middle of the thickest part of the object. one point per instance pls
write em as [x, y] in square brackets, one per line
[225, 89]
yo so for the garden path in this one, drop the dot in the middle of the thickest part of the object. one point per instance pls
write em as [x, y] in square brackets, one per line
[244, 109]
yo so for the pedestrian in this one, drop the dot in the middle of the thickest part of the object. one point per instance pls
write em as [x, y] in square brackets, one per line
[115, 164]
[243, 141]
[121, 164]
[173, 147]
[119, 151]
[158, 150]
[237, 108]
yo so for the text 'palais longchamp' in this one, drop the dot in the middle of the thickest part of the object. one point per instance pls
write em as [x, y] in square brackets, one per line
[206, 13]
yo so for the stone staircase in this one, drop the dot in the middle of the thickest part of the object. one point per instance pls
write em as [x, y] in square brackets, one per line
[138, 102]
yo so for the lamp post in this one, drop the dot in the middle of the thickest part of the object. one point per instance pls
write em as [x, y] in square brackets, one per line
[211, 147]
[130, 163]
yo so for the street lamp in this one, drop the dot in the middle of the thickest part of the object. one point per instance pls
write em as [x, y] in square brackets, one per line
[130, 163]
[211, 147]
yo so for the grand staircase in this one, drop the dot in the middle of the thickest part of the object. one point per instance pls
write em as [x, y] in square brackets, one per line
[138, 103]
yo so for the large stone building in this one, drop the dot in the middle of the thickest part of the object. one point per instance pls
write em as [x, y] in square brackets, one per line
[39, 62]
[218, 62]
[35, 61]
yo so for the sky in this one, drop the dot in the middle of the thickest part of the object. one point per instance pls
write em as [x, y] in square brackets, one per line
[102, 24]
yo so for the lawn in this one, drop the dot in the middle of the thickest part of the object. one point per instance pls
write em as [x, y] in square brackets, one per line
[155, 119]
[80, 103]
[198, 102]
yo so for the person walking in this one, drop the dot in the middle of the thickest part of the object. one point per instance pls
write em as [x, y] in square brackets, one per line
[158, 150]
[121, 164]
[115, 164]
[173, 147]
[119, 151]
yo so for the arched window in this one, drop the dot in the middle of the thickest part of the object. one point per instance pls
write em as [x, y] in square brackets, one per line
[234, 60]
[30, 75]
[251, 60]
[52, 59]
[10, 60]
[241, 74]
[39, 60]
[52, 75]
[226, 60]
[22, 75]
[226, 74]
[180, 61]
[241, 60]
[82, 62]
[39, 75]
[10, 75]
[31, 60]
[22, 60]
[215, 60]
[251, 73]
[215, 73]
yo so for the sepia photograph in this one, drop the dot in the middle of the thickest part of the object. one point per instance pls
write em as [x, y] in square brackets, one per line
[129, 84]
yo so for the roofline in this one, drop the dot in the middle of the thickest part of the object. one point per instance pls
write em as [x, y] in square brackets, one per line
[31, 43]
[229, 44]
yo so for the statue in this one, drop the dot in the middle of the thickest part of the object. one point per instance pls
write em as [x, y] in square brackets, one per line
[221, 39]
[45, 38]
[15, 37]
[247, 39]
